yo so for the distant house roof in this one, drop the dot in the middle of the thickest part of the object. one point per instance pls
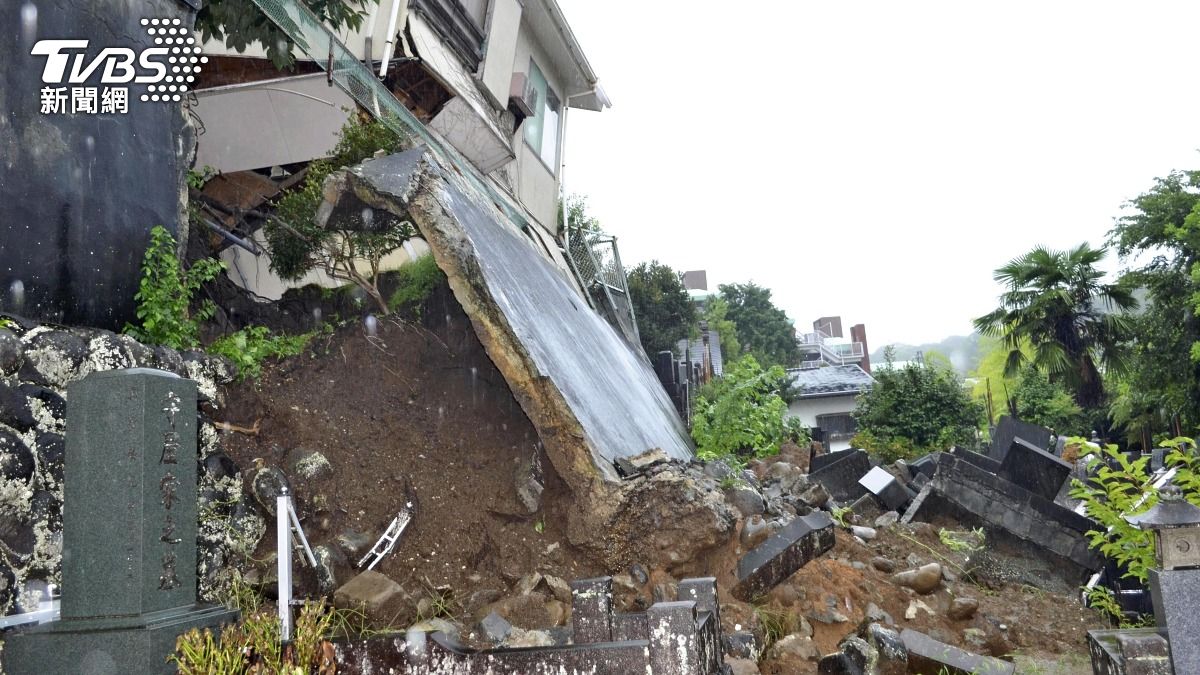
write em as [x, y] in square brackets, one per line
[694, 351]
[831, 380]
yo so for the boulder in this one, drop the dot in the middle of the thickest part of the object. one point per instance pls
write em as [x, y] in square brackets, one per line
[14, 409]
[924, 580]
[16, 459]
[963, 608]
[746, 500]
[12, 352]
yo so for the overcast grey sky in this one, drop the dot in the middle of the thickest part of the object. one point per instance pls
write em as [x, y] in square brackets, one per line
[877, 160]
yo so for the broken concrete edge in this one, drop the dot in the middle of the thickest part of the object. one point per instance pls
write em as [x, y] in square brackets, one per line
[563, 436]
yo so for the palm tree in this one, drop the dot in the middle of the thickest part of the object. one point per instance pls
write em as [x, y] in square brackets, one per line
[1055, 300]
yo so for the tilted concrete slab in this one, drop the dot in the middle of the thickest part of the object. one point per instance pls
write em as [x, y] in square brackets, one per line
[591, 397]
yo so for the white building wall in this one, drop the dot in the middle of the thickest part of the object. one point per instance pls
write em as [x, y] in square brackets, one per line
[536, 182]
[807, 409]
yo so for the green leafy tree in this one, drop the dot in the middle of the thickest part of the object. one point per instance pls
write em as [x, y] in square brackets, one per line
[665, 314]
[917, 408]
[763, 329]
[1038, 400]
[240, 23]
[574, 209]
[298, 244]
[716, 313]
[1161, 389]
[1056, 301]
[166, 312]
[742, 413]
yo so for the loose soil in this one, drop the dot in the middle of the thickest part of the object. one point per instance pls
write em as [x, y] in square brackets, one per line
[414, 409]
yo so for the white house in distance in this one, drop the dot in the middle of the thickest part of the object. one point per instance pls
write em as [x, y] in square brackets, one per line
[827, 399]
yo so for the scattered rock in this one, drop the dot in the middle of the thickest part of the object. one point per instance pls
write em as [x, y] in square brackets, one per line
[527, 611]
[269, 482]
[529, 483]
[528, 583]
[559, 588]
[963, 608]
[742, 666]
[327, 560]
[913, 607]
[380, 598]
[495, 628]
[886, 565]
[435, 625]
[312, 466]
[746, 500]
[854, 658]
[876, 614]
[631, 466]
[16, 533]
[754, 531]
[815, 495]
[528, 638]
[864, 533]
[717, 470]
[887, 520]
[638, 573]
[924, 580]
[742, 645]
[794, 647]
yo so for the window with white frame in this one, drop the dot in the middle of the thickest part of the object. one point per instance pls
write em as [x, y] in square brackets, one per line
[541, 129]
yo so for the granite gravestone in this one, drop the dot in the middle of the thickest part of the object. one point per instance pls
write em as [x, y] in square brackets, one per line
[129, 531]
[1034, 469]
[1009, 428]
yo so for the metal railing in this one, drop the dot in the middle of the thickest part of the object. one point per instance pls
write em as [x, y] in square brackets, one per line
[833, 353]
[597, 264]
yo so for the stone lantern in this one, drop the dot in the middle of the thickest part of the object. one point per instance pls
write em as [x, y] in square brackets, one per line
[1175, 584]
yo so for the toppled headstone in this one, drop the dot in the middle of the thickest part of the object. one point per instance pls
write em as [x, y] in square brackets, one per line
[1034, 469]
[840, 477]
[777, 558]
[889, 491]
[970, 493]
[1009, 428]
[926, 655]
[819, 462]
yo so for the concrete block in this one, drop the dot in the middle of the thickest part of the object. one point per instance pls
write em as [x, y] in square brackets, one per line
[1034, 469]
[926, 655]
[777, 558]
[1009, 428]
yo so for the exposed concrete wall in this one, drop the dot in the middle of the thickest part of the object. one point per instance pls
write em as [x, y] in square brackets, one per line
[807, 409]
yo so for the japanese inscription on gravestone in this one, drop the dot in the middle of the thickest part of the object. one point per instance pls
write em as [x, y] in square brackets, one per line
[129, 530]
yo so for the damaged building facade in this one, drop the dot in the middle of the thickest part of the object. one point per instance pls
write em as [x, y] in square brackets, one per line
[493, 80]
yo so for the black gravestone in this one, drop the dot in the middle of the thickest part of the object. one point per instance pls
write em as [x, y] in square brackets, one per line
[1034, 469]
[1009, 428]
[778, 558]
[840, 477]
[818, 462]
[129, 530]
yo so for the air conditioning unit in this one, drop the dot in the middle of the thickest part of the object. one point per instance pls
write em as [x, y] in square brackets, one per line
[522, 95]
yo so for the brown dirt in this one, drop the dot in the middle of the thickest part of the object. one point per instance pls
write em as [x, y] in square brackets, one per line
[417, 406]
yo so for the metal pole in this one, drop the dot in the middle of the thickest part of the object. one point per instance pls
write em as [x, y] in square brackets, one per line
[283, 539]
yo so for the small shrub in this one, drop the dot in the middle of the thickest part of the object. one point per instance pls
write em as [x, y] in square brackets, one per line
[414, 282]
[1116, 490]
[250, 346]
[741, 414]
[962, 542]
[165, 295]
[253, 646]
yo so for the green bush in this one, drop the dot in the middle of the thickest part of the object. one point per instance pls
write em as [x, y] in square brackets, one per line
[250, 346]
[888, 450]
[298, 245]
[165, 295]
[1116, 490]
[924, 405]
[414, 282]
[741, 414]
